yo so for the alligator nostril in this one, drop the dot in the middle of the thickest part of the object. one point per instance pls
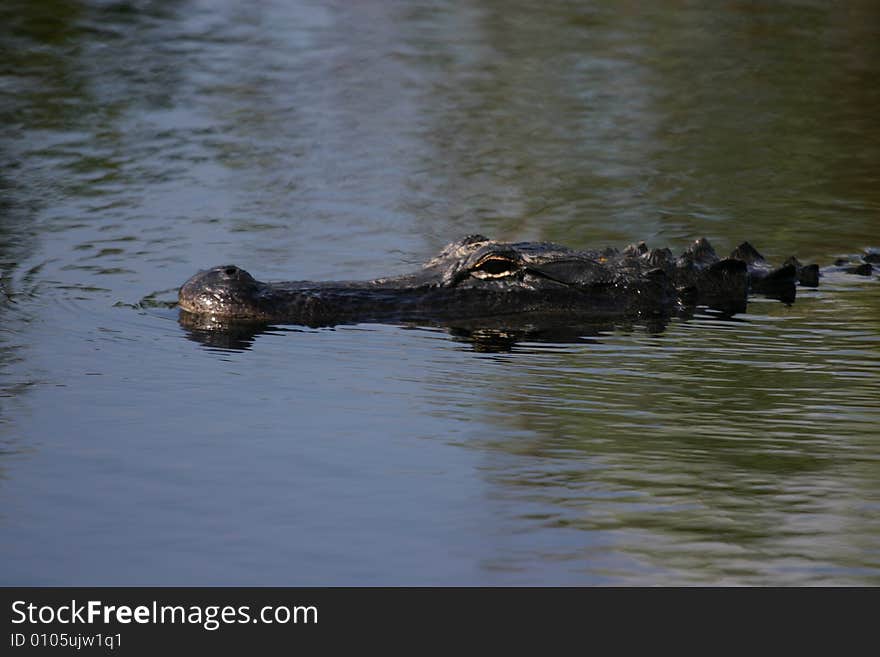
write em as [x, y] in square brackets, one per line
[230, 271]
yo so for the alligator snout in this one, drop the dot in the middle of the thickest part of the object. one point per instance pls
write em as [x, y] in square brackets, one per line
[226, 290]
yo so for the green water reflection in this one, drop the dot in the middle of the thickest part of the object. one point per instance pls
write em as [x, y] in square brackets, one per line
[747, 456]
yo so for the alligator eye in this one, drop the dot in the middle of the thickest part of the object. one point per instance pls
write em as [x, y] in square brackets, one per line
[494, 266]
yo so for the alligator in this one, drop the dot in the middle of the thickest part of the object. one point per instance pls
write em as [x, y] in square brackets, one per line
[478, 279]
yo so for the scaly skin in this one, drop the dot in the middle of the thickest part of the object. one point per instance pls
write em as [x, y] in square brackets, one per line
[477, 278]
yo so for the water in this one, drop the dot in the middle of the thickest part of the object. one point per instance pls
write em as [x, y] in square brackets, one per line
[142, 141]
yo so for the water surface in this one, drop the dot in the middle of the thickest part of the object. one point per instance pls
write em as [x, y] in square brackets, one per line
[142, 141]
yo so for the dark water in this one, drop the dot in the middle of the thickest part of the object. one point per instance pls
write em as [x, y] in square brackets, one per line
[142, 141]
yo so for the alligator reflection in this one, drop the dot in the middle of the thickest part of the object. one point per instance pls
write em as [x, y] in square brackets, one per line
[499, 340]
[490, 335]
